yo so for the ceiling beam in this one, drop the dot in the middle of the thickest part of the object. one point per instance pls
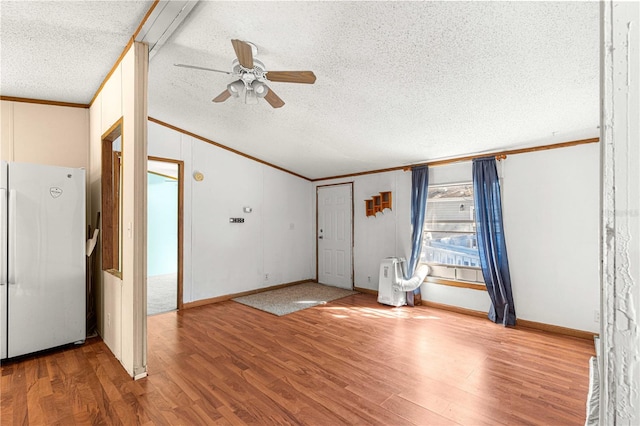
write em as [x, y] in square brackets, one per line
[163, 21]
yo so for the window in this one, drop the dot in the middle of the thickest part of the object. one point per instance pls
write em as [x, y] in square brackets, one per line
[111, 202]
[449, 243]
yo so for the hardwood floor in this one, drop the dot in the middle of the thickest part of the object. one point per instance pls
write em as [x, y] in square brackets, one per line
[351, 361]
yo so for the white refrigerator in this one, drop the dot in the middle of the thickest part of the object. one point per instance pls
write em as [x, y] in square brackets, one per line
[43, 244]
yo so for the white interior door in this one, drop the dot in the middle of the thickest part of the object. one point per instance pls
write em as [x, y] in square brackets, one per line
[335, 235]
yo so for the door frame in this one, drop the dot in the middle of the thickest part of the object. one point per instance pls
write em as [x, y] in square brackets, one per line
[353, 276]
[180, 165]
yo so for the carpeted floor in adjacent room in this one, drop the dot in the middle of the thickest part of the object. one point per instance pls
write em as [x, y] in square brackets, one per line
[162, 293]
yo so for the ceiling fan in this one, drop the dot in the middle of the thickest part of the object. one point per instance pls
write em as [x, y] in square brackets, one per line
[253, 76]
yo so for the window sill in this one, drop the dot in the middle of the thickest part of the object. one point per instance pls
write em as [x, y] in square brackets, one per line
[454, 283]
[114, 272]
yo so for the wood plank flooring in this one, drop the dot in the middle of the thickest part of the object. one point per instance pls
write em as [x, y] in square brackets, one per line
[351, 362]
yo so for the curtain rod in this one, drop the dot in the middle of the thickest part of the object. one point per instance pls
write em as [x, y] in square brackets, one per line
[503, 154]
[499, 157]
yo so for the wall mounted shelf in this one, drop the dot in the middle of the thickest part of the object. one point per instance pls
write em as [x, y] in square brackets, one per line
[368, 208]
[385, 202]
[378, 203]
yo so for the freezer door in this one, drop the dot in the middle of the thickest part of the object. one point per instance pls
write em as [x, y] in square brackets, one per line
[46, 262]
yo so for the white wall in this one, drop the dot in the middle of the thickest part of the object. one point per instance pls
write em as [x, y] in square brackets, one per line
[44, 134]
[108, 288]
[389, 233]
[162, 225]
[375, 237]
[121, 308]
[551, 212]
[551, 216]
[221, 258]
[477, 300]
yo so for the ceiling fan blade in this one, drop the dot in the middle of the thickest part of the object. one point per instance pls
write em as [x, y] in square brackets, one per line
[273, 99]
[222, 96]
[244, 53]
[200, 68]
[307, 77]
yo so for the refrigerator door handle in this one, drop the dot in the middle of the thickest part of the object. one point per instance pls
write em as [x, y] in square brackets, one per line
[12, 235]
[3, 238]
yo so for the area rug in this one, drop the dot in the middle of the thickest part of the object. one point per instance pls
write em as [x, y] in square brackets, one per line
[286, 300]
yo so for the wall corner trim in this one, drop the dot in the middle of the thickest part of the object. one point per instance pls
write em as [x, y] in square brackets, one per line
[43, 102]
[467, 158]
[520, 323]
[219, 145]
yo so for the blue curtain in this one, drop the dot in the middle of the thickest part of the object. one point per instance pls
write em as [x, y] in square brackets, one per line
[419, 188]
[491, 242]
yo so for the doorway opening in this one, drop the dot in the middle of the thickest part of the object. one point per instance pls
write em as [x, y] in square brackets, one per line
[164, 235]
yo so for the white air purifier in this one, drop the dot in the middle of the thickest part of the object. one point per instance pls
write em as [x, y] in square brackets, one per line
[390, 274]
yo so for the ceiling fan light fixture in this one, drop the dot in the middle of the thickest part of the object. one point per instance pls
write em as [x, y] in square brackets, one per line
[250, 97]
[235, 88]
[260, 88]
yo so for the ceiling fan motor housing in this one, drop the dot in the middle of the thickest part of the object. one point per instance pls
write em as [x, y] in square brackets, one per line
[247, 74]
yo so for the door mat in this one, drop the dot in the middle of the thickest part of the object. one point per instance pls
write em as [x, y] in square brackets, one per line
[286, 300]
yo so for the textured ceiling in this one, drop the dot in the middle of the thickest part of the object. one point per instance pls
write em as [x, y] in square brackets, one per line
[62, 50]
[397, 82]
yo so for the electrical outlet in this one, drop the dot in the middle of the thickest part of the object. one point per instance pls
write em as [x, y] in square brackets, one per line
[266, 277]
[596, 316]
[369, 279]
[109, 320]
